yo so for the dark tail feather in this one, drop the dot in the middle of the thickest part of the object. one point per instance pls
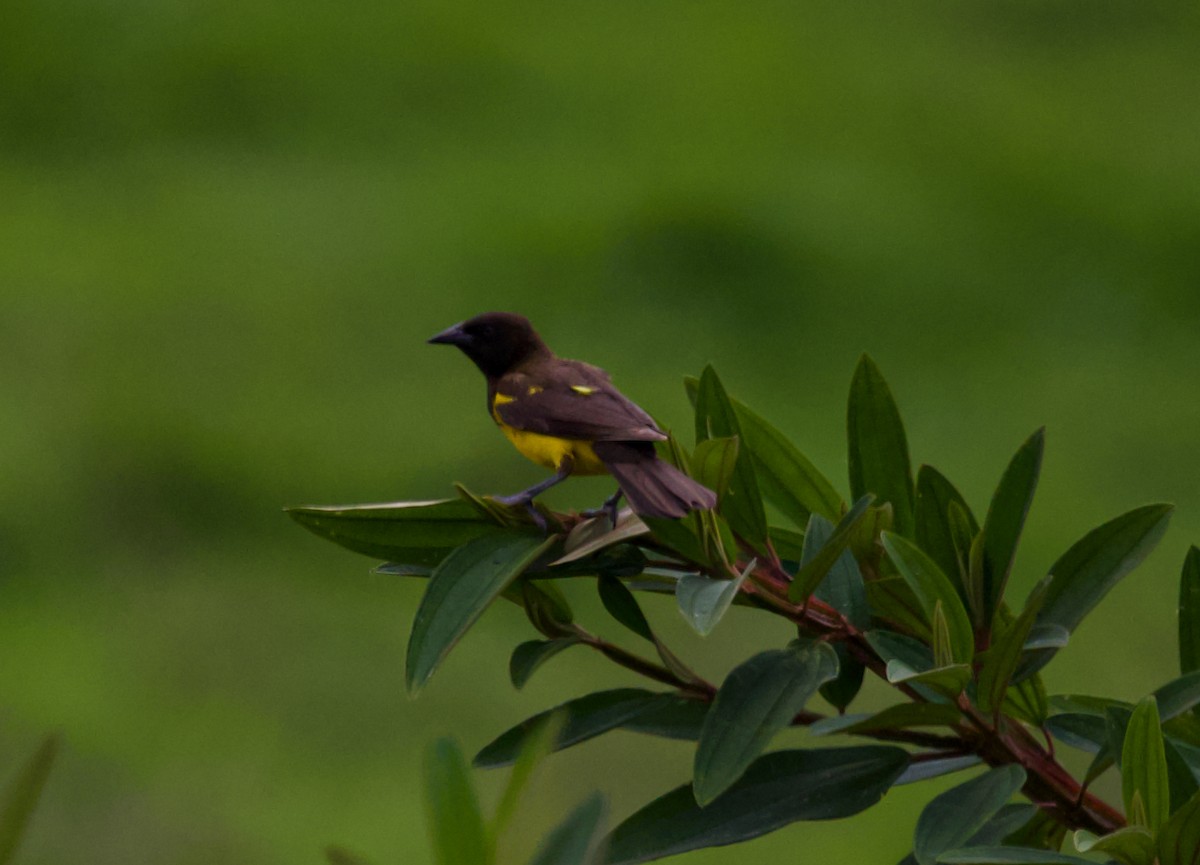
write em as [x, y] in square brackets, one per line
[655, 488]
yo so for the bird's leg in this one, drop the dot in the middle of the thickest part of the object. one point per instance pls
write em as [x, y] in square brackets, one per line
[609, 507]
[525, 497]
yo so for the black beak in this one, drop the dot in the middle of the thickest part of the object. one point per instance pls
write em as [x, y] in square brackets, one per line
[449, 336]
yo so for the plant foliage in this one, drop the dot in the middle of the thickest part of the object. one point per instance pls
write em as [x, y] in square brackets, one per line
[903, 583]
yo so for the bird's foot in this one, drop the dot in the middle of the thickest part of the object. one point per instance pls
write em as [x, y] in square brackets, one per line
[609, 508]
[520, 500]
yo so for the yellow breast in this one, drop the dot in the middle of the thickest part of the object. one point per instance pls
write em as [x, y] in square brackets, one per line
[550, 451]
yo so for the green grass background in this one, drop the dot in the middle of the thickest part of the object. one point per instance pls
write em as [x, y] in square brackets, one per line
[229, 227]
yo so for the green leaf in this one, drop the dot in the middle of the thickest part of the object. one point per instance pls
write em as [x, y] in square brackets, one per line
[414, 533]
[623, 607]
[671, 717]
[1178, 695]
[843, 587]
[1085, 732]
[460, 589]
[946, 680]
[455, 821]
[911, 656]
[786, 477]
[1189, 613]
[1089, 569]
[936, 768]
[759, 698]
[22, 795]
[527, 657]
[879, 460]
[536, 748]
[1009, 856]
[577, 839]
[930, 586]
[742, 504]
[954, 816]
[892, 600]
[968, 556]
[1026, 701]
[1001, 660]
[713, 462]
[1006, 518]
[1007, 821]
[934, 529]
[840, 691]
[943, 654]
[584, 718]
[1144, 765]
[778, 789]
[1132, 845]
[898, 717]
[816, 564]
[703, 601]
[1179, 838]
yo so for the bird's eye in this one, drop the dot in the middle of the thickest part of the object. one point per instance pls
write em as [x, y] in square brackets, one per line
[484, 330]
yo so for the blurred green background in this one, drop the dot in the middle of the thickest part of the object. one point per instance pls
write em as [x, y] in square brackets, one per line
[228, 229]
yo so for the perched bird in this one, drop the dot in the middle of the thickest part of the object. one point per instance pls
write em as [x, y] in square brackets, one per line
[566, 415]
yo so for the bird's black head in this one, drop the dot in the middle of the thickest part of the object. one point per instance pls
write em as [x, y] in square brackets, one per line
[495, 341]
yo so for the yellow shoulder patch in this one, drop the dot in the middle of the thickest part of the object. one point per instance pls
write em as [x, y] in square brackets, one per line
[583, 389]
[534, 389]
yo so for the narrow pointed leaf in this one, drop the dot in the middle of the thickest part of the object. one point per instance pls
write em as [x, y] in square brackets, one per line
[1179, 838]
[713, 462]
[759, 698]
[954, 816]
[671, 717]
[786, 477]
[930, 586]
[1131, 845]
[577, 840]
[879, 461]
[1177, 696]
[899, 717]
[583, 718]
[415, 533]
[946, 680]
[1009, 856]
[742, 504]
[1144, 765]
[1007, 821]
[1027, 702]
[1089, 569]
[1000, 662]
[934, 530]
[778, 789]
[821, 560]
[906, 657]
[1085, 732]
[943, 653]
[1006, 518]
[528, 657]
[455, 821]
[891, 599]
[844, 590]
[623, 607]
[1189, 613]
[459, 590]
[22, 795]
[927, 769]
[1182, 780]
[704, 601]
[536, 748]
[843, 587]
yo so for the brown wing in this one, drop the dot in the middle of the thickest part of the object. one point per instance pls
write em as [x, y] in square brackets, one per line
[571, 400]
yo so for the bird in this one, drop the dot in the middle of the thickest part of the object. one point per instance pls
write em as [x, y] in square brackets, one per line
[568, 416]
